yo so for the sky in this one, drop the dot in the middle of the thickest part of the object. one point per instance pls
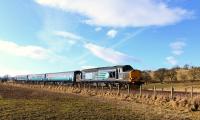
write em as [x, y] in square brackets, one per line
[41, 36]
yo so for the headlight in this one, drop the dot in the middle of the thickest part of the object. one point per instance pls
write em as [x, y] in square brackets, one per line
[134, 75]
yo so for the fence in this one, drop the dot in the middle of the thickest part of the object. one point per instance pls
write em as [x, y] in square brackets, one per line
[169, 92]
[172, 92]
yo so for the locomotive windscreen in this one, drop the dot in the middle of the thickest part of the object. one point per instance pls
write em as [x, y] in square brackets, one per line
[127, 68]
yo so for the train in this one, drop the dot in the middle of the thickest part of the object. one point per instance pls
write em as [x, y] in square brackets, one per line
[124, 74]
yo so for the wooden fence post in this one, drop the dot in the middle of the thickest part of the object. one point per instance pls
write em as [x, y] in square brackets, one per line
[110, 87]
[185, 90]
[96, 86]
[191, 92]
[89, 86]
[172, 92]
[128, 89]
[79, 85]
[154, 90]
[118, 89]
[102, 87]
[84, 86]
[140, 90]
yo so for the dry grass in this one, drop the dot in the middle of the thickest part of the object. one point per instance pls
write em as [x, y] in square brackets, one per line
[21, 103]
[177, 86]
[111, 105]
[196, 103]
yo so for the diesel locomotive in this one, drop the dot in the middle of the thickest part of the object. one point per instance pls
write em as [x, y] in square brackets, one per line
[111, 74]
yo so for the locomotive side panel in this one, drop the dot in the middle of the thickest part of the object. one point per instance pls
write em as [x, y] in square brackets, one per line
[101, 74]
[88, 76]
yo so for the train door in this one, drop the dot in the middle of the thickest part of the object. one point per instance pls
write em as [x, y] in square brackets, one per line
[78, 76]
[120, 73]
[117, 74]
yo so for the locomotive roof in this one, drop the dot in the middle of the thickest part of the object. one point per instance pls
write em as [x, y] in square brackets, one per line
[105, 68]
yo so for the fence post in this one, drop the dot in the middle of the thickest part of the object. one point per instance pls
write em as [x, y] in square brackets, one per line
[79, 85]
[154, 90]
[96, 86]
[110, 87]
[89, 86]
[140, 90]
[128, 89]
[102, 88]
[118, 89]
[172, 92]
[185, 90]
[162, 89]
[191, 92]
[84, 86]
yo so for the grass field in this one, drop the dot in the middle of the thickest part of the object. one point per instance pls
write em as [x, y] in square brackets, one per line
[22, 103]
[177, 86]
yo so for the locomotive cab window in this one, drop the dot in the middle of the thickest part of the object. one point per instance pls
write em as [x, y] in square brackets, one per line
[111, 74]
[127, 68]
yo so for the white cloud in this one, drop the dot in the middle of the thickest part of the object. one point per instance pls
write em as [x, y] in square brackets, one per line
[29, 51]
[177, 52]
[122, 13]
[112, 33]
[109, 55]
[106, 54]
[177, 47]
[98, 29]
[68, 35]
[171, 60]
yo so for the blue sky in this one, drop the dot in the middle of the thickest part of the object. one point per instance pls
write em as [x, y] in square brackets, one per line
[39, 36]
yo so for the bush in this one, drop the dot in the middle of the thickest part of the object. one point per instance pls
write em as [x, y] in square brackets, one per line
[196, 103]
[183, 102]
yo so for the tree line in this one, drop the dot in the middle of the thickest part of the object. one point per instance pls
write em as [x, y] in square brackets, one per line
[185, 73]
[4, 78]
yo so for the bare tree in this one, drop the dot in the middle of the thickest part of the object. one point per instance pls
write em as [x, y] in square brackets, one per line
[171, 74]
[194, 73]
[186, 66]
[145, 76]
[183, 77]
[177, 67]
[160, 74]
[5, 78]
